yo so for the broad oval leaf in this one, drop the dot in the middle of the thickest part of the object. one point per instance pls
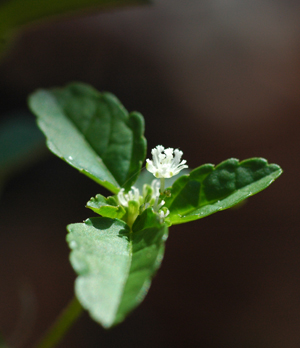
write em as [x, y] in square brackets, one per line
[92, 132]
[114, 265]
[208, 189]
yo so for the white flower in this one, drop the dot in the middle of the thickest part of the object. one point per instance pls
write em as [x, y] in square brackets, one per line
[135, 203]
[151, 194]
[162, 214]
[165, 165]
[132, 195]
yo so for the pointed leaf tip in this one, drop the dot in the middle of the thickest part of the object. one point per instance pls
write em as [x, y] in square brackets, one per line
[209, 188]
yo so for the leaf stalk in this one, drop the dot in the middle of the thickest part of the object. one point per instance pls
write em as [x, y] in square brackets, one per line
[62, 324]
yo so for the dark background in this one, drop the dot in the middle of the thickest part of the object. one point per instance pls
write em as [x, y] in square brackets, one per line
[217, 79]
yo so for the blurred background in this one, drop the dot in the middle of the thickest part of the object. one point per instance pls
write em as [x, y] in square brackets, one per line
[216, 79]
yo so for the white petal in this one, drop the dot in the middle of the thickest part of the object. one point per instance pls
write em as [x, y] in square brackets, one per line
[150, 167]
[177, 157]
[122, 199]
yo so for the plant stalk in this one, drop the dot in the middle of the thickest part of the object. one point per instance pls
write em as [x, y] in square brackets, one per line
[62, 324]
[162, 185]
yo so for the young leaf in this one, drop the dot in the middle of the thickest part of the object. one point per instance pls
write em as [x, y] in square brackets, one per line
[92, 132]
[107, 207]
[208, 189]
[114, 265]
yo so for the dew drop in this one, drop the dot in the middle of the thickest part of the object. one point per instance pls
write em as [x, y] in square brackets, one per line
[70, 158]
[73, 244]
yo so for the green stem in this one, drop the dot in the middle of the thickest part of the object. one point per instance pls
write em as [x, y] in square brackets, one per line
[162, 185]
[62, 324]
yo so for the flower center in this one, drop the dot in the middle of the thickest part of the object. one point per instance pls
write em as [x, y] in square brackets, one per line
[165, 163]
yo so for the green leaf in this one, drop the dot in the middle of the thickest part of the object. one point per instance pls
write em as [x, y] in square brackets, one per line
[92, 132]
[208, 189]
[148, 246]
[16, 13]
[114, 265]
[107, 207]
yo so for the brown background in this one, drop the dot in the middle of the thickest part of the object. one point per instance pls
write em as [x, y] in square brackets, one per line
[216, 79]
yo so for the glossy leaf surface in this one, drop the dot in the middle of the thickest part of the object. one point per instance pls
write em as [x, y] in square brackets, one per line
[148, 246]
[208, 189]
[115, 266]
[92, 132]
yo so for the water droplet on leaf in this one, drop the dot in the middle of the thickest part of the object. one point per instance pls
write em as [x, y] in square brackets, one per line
[73, 244]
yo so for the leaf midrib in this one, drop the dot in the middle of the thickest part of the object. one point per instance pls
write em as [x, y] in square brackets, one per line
[130, 240]
[189, 213]
[201, 186]
[111, 125]
[83, 134]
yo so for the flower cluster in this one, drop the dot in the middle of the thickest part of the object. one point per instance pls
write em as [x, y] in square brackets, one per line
[164, 164]
[135, 203]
